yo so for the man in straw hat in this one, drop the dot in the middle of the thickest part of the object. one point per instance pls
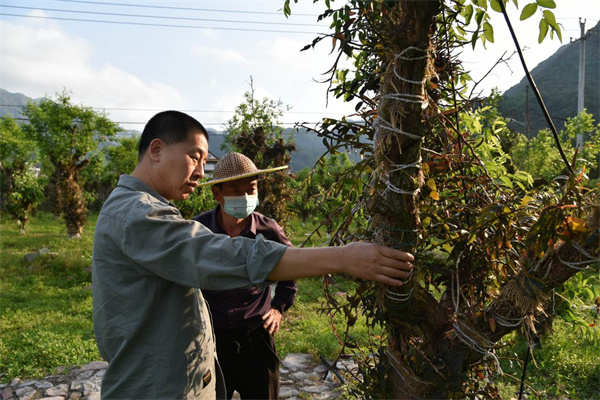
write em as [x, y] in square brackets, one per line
[246, 319]
[151, 324]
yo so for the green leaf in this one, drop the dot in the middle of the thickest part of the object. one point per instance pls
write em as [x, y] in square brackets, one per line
[546, 3]
[543, 30]
[479, 17]
[551, 20]
[468, 13]
[474, 38]
[495, 4]
[488, 31]
[528, 11]
[507, 182]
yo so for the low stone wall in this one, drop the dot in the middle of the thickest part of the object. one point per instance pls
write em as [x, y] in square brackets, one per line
[301, 376]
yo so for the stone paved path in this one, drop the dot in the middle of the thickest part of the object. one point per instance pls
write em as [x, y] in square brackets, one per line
[301, 378]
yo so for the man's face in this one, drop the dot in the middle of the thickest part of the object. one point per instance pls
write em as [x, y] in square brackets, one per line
[181, 166]
[239, 187]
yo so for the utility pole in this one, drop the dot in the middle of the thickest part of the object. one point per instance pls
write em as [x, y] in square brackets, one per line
[527, 112]
[581, 88]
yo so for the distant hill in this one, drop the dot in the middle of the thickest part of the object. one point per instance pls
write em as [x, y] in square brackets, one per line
[557, 79]
[309, 147]
[12, 103]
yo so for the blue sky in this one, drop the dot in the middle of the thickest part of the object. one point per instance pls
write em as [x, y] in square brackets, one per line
[134, 70]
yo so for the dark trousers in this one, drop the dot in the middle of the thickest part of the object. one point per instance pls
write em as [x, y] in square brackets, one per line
[249, 363]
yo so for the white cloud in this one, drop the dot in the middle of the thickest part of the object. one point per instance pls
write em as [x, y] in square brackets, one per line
[41, 59]
[211, 54]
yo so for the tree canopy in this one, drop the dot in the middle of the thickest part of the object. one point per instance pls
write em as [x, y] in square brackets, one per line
[66, 135]
[437, 182]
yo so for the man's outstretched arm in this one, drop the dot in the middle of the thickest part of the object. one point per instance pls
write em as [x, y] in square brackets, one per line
[361, 259]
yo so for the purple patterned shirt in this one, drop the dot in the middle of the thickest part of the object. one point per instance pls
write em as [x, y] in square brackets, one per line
[243, 308]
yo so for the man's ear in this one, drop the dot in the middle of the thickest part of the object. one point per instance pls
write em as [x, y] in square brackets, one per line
[216, 193]
[155, 148]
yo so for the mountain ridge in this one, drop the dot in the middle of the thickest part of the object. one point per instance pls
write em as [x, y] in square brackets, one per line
[557, 79]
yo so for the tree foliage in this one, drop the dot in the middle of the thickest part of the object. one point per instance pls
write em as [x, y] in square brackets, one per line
[540, 157]
[16, 152]
[20, 187]
[255, 131]
[439, 181]
[27, 193]
[66, 135]
[199, 201]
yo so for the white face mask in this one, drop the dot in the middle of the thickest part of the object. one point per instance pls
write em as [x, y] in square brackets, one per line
[240, 206]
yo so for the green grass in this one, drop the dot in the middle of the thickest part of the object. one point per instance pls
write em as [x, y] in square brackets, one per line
[566, 363]
[46, 318]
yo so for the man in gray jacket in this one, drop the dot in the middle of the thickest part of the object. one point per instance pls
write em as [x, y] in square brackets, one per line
[151, 324]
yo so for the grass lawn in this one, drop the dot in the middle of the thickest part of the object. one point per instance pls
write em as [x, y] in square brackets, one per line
[46, 318]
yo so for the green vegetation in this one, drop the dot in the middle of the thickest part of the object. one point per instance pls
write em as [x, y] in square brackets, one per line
[46, 319]
[67, 136]
[557, 79]
[565, 363]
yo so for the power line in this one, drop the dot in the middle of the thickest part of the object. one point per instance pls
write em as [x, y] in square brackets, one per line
[203, 123]
[157, 16]
[156, 25]
[162, 109]
[182, 8]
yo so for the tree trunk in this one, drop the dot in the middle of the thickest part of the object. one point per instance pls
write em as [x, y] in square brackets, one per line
[74, 205]
[411, 311]
[431, 348]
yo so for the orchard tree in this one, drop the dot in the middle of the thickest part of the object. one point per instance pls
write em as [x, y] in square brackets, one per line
[489, 249]
[332, 191]
[21, 189]
[540, 157]
[255, 132]
[303, 204]
[583, 124]
[16, 152]
[27, 193]
[66, 134]
[122, 157]
[199, 201]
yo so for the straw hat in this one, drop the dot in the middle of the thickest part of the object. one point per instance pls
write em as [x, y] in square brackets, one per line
[236, 166]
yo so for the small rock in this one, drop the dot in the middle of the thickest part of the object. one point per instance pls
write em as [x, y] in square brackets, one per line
[60, 390]
[43, 385]
[314, 389]
[94, 365]
[32, 256]
[75, 396]
[284, 393]
[6, 393]
[27, 393]
[300, 375]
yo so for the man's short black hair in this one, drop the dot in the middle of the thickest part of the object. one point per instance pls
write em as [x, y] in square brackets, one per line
[171, 127]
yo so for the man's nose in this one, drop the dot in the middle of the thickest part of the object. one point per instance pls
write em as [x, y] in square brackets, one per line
[200, 171]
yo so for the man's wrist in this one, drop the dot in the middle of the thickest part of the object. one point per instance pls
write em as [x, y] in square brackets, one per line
[277, 308]
[338, 265]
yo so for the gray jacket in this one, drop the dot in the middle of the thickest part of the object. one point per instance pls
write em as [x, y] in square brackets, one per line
[151, 324]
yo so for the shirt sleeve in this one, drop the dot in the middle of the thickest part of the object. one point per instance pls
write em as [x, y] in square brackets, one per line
[160, 242]
[285, 291]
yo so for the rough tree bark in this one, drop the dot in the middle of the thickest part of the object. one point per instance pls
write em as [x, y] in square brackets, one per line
[397, 148]
[430, 349]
